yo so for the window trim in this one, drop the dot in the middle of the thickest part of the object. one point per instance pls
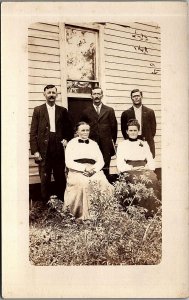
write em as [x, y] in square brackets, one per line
[63, 65]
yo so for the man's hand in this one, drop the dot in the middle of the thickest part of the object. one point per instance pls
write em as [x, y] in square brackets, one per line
[64, 142]
[37, 157]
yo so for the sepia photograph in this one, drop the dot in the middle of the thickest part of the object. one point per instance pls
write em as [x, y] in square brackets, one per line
[95, 150]
[95, 143]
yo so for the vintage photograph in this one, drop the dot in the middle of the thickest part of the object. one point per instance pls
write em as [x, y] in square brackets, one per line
[94, 98]
[94, 149]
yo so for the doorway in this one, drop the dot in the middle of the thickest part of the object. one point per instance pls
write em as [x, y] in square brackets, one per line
[76, 107]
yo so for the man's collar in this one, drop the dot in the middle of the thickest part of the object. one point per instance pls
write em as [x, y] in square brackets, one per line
[95, 106]
[49, 106]
[137, 108]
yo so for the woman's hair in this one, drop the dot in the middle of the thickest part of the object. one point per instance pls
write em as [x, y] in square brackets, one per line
[133, 122]
[79, 124]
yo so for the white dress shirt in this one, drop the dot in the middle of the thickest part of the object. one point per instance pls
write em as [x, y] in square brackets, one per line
[76, 150]
[136, 150]
[51, 112]
[138, 116]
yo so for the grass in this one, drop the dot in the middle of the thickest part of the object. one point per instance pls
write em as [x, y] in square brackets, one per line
[120, 231]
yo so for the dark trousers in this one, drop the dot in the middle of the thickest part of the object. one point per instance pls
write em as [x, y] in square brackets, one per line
[107, 158]
[53, 163]
[106, 167]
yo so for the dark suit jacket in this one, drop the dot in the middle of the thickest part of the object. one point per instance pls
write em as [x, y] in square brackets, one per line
[40, 128]
[148, 125]
[103, 127]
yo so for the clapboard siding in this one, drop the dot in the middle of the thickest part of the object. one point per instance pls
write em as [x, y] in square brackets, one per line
[147, 51]
[44, 42]
[148, 27]
[45, 27]
[34, 96]
[36, 33]
[125, 99]
[47, 73]
[38, 88]
[131, 30]
[41, 57]
[44, 50]
[129, 73]
[109, 51]
[120, 88]
[43, 69]
[41, 65]
[127, 80]
[119, 112]
[133, 60]
[111, 58]
[38, 80]
[133, 66]
[128, 42]
[127, 95]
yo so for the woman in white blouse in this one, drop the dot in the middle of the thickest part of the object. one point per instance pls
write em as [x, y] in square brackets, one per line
[85, 162]
[135, 159]
[134, 154]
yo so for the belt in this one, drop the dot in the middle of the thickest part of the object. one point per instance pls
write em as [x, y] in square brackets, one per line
[85, 161]
[136, 163]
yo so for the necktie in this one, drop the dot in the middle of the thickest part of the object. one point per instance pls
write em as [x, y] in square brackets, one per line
[98, 110]
[83, 141]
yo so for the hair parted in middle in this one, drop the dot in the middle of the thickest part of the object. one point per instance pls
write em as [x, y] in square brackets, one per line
[133, 122]
[79, 124]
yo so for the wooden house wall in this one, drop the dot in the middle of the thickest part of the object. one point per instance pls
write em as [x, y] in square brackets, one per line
[132, 59]
[43, 68]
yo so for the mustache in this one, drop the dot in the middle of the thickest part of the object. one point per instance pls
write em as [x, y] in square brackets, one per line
[51, 97]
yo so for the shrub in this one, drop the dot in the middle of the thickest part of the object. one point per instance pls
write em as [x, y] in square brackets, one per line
[118, 232]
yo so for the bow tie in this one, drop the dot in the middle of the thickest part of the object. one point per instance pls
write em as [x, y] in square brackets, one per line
[83, 141]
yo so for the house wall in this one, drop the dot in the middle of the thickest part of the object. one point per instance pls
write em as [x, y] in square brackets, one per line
[43, 68]
[131, 60]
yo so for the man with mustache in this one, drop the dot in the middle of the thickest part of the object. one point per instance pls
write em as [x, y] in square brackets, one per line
[103, 126]
[51, 129]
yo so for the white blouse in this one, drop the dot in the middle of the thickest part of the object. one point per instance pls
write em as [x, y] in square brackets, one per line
[76, 150]
[135, 150]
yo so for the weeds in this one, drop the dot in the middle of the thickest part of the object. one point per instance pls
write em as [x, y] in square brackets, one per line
[118, 233]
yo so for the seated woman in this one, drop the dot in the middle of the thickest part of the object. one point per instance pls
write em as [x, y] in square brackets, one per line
[85, 162]
[135, 159]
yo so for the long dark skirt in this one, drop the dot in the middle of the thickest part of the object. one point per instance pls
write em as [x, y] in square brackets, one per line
[149, 179]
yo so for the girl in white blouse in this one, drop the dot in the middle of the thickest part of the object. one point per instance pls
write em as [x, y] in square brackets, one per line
[134, 154]
[135, 159]
[85, 162]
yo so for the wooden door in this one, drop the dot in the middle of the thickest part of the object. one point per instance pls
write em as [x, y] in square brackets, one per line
[76, 106]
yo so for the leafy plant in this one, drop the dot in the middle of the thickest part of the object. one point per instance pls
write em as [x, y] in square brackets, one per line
[118, 232]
